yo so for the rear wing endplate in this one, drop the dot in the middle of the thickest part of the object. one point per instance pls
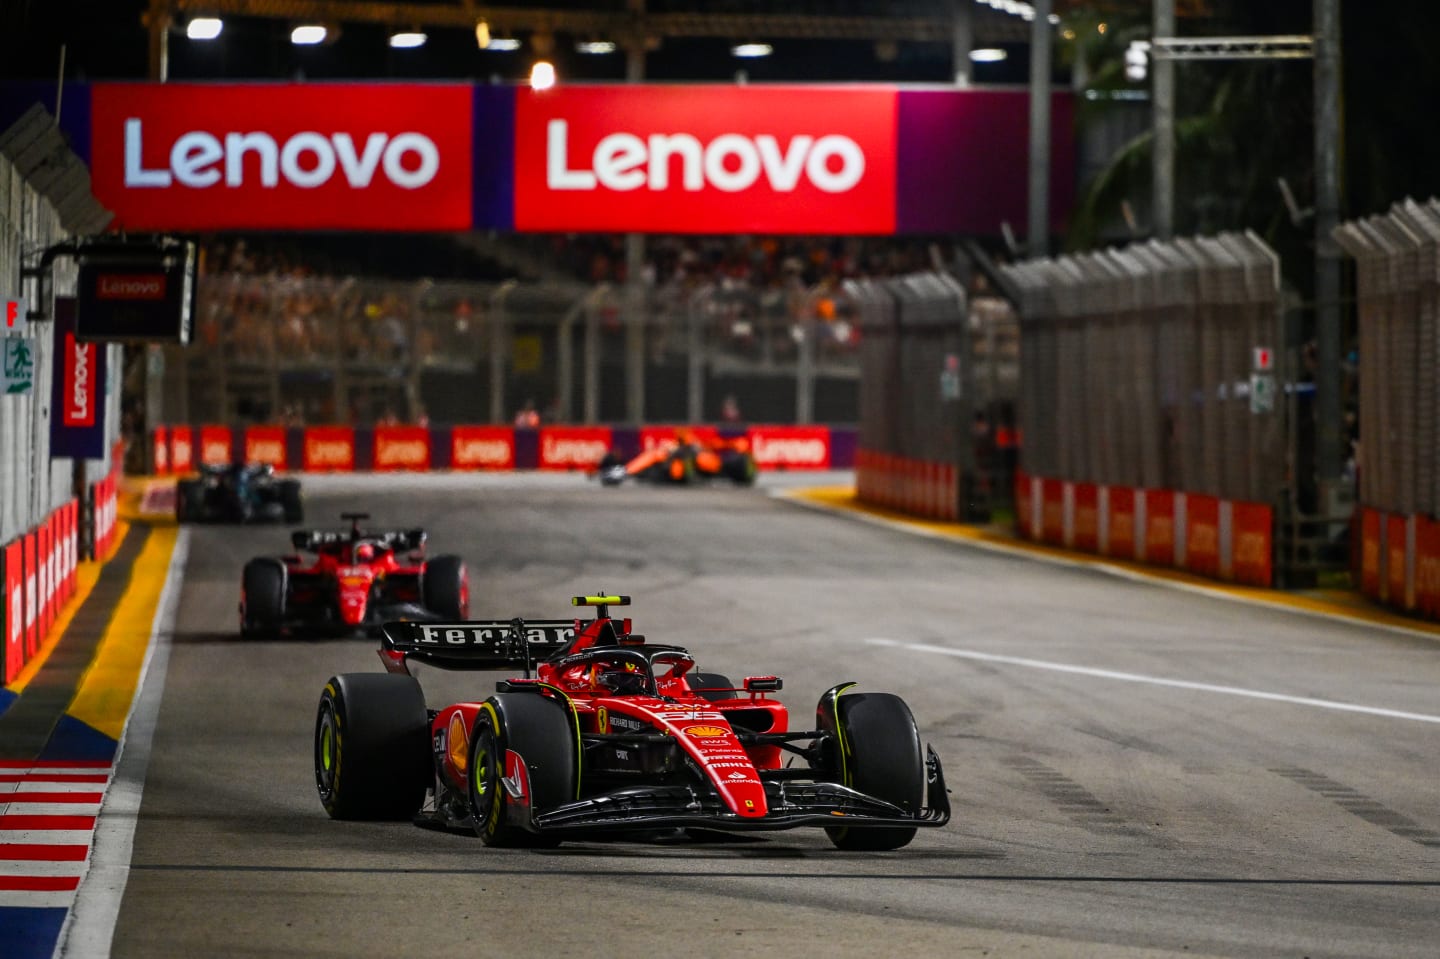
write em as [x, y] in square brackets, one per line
[477, 644]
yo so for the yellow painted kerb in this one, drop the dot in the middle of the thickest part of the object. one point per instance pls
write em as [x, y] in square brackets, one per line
[108, 686]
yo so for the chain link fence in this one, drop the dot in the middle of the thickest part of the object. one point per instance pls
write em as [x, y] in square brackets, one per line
[307, 349]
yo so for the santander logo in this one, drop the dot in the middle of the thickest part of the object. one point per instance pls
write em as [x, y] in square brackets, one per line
[200, 159]
[731, 162]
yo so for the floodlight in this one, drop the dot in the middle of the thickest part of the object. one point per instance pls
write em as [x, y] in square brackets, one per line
[988, 55]
[751, 50]
[204, 28]
[307, 34]
[407, 39]
[542, 75]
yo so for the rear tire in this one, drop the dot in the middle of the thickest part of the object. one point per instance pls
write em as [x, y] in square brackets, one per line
[290, 501]
[188, 500]
[542, 733]
[445, 587]
[739, 468]
[882, 758]
[262, 598]
[712, 686]
[372, 747]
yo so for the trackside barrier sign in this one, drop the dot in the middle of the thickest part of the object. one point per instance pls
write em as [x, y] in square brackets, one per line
[14, 610]
[215, 445]
[329, 449]
[266, 444]
[402, 448]
[683, 158]
[790, 447]
[482, 448]
[573, 447]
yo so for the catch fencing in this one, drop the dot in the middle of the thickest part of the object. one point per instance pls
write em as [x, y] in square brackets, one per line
[293, 349]
[53, 511]
[1151, 403]
[1397, 257]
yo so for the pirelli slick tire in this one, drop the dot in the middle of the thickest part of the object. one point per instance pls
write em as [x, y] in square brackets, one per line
[372, 747]
[711, 686]
[189, 501]
[542, 733]
[445, 587]
[290, 501]
[262, 599]
[739, 468]
[878, 752]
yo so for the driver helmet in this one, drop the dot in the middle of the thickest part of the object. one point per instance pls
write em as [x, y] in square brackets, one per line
[364, 552]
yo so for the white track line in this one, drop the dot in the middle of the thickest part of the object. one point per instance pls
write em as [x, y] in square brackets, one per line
[1157, 681]
[90, 927]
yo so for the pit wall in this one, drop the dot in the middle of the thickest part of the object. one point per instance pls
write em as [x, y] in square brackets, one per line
[1229, 540]
[39, 568]
[181, 448]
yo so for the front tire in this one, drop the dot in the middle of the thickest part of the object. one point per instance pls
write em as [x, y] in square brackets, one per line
[541, 732]
[739, 468]
[445, 587]
[189, 496]
[262, 598]
[879, 754]
[372, 747]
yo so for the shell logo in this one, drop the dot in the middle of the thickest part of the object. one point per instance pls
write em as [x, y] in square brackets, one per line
[706, 732]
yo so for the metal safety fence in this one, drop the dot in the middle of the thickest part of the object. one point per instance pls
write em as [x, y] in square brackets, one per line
[1397, 457]
[1150, 402]
[939, 376]
[301, 349]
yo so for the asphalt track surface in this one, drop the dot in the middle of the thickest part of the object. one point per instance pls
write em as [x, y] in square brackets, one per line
[1135, 770]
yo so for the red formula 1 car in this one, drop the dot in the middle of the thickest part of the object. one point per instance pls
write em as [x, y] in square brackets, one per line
[358, 580]
[691, 455]
[612, 734]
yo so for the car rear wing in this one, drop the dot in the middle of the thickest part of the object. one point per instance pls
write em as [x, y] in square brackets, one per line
[475, 644]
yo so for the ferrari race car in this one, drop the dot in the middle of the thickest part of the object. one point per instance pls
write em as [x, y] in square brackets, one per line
[240, 493]
[689, 456]
[357, 581]
[612, 735]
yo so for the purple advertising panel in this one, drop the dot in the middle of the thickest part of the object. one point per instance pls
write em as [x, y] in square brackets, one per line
[964, 157]
[77, 410]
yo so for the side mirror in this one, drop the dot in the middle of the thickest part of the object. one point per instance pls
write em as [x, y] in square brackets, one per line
[415, 539]
[763, 684]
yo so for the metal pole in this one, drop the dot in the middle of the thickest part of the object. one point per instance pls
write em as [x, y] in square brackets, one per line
[1162, 107]
[1328, 415]
[962, 39]
[635, 258]
[499, 341]
[695, 360]
[1038, 239]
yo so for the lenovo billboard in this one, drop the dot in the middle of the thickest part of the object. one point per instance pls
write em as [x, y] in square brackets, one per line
[185, 156]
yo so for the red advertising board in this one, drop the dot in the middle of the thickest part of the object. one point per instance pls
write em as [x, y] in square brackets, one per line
[14, 610]
[216, 443]
[30, 544]
[790, 447]
[1052, 511]
[1202, 534]
[573, 447]
[1395, 593]
[1159, 527]
[266, 444]
[328, 449]
[160, 451]
[653, 436]
[44, 568]
[1022, 504]
[1086, 522]
[706, 159]
[217, 156]
[1427, 566]
[482, 448]
[402, 448]
[182, 452]
[1370, 552]
[1252, 533]
[1120, 534]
